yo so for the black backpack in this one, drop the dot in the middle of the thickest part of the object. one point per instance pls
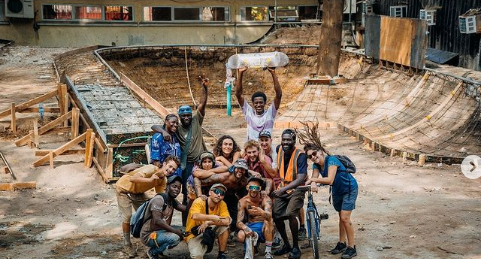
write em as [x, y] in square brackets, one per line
[347, 163]
[137, 220]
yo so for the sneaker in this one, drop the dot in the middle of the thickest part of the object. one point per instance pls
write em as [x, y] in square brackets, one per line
[284, 250]
[151, 256]
[340, 247]
[222, 256]
[269, 256]
[295, 253]
[302, 233]
[349, 253]
[277, 243]
[130, 251]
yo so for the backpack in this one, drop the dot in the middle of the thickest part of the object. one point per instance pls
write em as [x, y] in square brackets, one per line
[137, 220]
[347, 163]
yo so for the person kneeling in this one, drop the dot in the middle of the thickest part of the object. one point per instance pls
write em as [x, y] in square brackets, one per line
[157, 232]
[208, 219]
[259, 227]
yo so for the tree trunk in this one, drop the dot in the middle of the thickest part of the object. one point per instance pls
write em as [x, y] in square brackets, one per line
[331, 38]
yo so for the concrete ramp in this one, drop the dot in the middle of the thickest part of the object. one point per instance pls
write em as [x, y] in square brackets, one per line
[424, 114]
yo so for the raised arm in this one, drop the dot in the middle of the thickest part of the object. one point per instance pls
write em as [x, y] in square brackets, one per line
[277, 88]
[203, 102]
[238, 86]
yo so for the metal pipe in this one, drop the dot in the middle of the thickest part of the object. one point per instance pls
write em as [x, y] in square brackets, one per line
[465, 79]
[8, 166]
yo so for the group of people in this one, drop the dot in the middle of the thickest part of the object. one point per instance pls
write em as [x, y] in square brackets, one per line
[249, 193]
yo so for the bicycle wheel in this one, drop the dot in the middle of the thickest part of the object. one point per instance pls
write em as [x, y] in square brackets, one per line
[314, 234]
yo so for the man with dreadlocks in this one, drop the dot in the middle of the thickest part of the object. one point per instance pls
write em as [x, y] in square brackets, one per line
[258, 118]
[292, 167]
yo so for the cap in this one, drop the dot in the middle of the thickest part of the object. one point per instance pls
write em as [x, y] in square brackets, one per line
[207, 154]
[185, 109]
[241, 163]
[174, 178]
[256, 179]
[218, 185]
[265, 133]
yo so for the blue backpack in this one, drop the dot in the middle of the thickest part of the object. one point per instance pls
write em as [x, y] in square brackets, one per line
[137, 220]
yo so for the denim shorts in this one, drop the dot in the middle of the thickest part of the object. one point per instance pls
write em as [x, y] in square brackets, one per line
[346, 201]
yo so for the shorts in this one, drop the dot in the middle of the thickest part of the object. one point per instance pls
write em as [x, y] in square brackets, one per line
[346, 201]
[257, 227]
[126, 203]
[288, 205]
[196, 249]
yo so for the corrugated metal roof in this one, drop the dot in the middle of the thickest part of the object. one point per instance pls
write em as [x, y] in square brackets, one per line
[440, 56]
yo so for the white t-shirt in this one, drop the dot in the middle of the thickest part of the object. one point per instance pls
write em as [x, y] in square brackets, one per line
[257, 123]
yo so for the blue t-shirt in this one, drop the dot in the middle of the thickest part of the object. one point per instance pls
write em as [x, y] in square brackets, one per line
[342, 181]
[160, 149]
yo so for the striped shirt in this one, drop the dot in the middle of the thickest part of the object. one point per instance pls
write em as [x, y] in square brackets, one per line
[257, 123]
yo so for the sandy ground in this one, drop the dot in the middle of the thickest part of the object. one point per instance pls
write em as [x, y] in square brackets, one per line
[403, 210]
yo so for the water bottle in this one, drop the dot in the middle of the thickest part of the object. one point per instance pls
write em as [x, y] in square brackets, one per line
[41, 111]
[258, 60]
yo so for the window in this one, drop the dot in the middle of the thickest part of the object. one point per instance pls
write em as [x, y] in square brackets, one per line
[255, 13]
[215, 14]
[284, 13]
[88, 12]
[2, 10]
[187, 14]
[157, 14]
[428, 15]
[398, 11]
[118, 13]
[467, 24]
[57, 12]
[308, 12]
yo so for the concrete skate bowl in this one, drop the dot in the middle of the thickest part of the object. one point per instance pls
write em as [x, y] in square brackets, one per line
[395, 111]
[162, 71]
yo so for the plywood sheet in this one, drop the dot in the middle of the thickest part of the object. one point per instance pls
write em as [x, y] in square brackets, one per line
[373, 34]
[396, 40]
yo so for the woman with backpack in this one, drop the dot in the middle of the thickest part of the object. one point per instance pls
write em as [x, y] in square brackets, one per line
[344, 190]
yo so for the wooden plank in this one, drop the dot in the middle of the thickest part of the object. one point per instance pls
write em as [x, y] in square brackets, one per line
[65, 101]
[13, 123]
[419, 44]
[50, 157]
[61, 149]
[75, 122]
[99, 145]
[24, 140]
[66, 153]
[89, 148]
[100, 170]
[17, 186]
[29, 103]
[373, 36]
[396, 40]
[45, 109]
[35, 133]
[144, 96]
[109, 169]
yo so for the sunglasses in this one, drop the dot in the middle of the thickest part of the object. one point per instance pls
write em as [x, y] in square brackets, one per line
[219, 192]
[313, 154]
[254, 188]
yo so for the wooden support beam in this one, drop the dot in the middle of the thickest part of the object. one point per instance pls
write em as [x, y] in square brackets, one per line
[50, 158]
[109, 168]
[99, 145]
[49, 126]
[17, 186]
[45, 109]
[100, 170]
[60, 150]
[63, 100]
[66, 153]
[13, 124]
[29, 103]
[89, 148]
[75, 122]
[36, 139]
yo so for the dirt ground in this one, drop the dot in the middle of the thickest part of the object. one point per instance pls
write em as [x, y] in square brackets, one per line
[403, 210]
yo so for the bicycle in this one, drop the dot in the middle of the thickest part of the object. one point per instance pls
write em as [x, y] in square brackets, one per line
[313, 221]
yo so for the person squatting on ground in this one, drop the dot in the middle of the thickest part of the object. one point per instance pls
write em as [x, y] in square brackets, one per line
[157, 232]
[235, 180]
[130, 190]
[160, 148]
[226, 151]
[292, 167]
[190, 138]
[208, 219]
[258, 209]
[344, 190]
[257, 118]
[205, 167]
